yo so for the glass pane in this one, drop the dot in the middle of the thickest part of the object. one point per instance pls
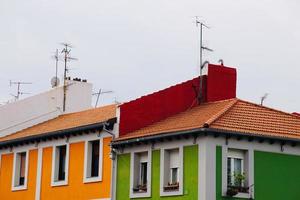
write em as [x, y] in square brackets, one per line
[174, 174]
[22, 168]
[62, 163]
[229, 172]
[95, 158]
[238, 165]
[143, 173]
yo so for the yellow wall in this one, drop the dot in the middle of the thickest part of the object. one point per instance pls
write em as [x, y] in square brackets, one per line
[76, 189]
[6, 170]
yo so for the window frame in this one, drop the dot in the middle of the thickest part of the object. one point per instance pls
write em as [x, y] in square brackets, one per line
[163, 173]
[54, 182]
[132, 174]
[88, 158]
[247, 158]
[14, 176]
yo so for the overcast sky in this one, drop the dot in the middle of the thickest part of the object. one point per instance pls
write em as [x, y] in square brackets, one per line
[135, 47]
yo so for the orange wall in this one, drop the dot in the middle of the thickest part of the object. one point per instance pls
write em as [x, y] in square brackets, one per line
[6, 170]
[76, 189]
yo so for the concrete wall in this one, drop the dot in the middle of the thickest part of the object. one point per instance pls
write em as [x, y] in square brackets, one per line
[42, 107]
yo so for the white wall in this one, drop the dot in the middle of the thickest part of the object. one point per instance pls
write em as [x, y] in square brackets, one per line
[42, 107]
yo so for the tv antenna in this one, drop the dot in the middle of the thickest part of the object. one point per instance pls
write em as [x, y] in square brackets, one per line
[100, 92]
[19, 92]
[67, 58]
[201, 25]
[55, 79]
[263, 98]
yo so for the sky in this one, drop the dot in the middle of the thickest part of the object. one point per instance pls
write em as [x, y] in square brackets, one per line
[136, 47]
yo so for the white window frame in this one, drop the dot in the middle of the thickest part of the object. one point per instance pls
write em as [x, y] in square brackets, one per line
[55, 183]
[20, 187]
[149, 170]
[87, 158]
[162, 172]
[232, 152]
[233, 156]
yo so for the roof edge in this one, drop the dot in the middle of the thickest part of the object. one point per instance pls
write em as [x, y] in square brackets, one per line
[59, 133]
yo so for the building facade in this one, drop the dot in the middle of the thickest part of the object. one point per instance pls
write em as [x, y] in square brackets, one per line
[67, 157]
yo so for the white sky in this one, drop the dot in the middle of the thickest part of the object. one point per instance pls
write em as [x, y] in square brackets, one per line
[135, 47]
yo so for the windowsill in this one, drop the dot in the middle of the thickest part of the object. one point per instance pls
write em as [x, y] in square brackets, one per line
[92, 179]
[59, 183]
[140, 194]
[176, 192]
[18, 188]
[240, 195]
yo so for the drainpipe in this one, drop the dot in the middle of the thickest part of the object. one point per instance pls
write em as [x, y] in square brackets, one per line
[113, 158]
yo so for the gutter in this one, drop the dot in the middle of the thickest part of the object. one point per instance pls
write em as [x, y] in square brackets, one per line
[60, 133]
[203, 131]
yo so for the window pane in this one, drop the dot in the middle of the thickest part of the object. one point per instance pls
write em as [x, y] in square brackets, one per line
[22, 168]
[174, 174]
[229, 172]
[95, 158]
[143, 180]
[62, 163]
[238, 165]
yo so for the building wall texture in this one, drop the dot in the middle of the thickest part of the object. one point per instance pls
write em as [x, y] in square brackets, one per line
[190, 176]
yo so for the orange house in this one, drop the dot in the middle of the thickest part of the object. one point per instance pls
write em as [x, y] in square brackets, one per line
[67, 157]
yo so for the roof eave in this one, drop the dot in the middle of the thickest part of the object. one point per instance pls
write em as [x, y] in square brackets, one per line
[59, 134]
[204, 131]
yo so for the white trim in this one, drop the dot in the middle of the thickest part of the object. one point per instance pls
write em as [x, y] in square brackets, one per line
[149, 174]
[162, 172]
[39, 174]
[86, 156]
[22, 187]
[64, 182]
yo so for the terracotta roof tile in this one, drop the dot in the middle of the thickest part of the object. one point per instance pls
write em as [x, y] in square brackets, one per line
[230, 115]
[67, 121]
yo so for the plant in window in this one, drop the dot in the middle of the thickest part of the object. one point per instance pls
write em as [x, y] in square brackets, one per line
[238, 186]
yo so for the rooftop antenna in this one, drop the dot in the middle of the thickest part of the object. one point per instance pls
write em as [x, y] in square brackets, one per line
[100, 92]
[19, 93]
[55, 80]
[263, 98]
[67, 58]
[201, 25]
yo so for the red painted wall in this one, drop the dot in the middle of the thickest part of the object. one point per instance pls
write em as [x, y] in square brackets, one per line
[219, 84]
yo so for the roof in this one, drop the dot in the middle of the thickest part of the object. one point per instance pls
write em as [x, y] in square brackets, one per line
[65, 122]
[233, 115]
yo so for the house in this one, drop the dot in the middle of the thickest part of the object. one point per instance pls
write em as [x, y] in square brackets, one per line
[67, 157]
[173, 146]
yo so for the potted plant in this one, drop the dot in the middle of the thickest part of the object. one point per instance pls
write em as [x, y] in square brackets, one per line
[238, 185]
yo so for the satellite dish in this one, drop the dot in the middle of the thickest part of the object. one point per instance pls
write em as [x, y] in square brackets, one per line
[54, 81]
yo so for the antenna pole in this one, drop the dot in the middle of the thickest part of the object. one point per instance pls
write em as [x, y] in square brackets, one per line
[98, 95]
[201, 64]
[66, 51]
[56, 64]
[19, 93]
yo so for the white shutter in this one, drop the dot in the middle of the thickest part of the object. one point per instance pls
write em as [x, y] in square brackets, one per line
[174, 158]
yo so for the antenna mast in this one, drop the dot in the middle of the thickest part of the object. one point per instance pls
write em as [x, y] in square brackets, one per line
[201, 64]
[66, 51]
[19, 93]
[98, 95]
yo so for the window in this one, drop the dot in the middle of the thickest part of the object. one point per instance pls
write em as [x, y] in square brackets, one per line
[236, 176]
[20, 170]
[171, 172]
[140, 174]
[60, 165]
[93, 161]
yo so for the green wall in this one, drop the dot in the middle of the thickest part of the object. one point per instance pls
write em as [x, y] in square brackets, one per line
[276, 176]
[190, 176]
